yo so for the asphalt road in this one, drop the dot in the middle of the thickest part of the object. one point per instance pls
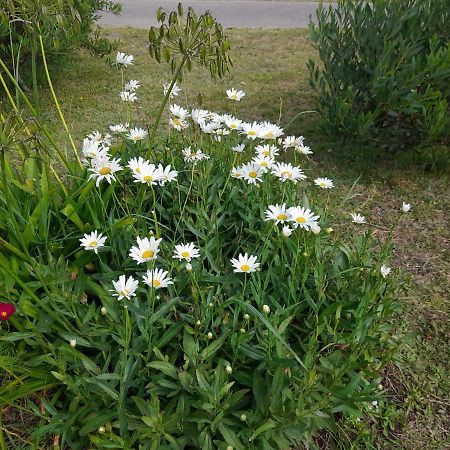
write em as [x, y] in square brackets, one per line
[230, 13]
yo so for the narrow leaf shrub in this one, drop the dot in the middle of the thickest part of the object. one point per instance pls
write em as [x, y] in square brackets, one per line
[384, 69]
[171, 294]
[64, 26]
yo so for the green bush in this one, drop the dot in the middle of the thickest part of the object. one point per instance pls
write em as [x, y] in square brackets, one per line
[217, 359]
[63, 25]
[384, 68]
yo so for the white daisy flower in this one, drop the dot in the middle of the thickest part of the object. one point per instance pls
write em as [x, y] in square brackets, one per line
[232, 123]
[174, 92]
[252, 173]
[145, 250]
[406, 207]
[238, 148]
[127, 96]
[137, 134]
[278, 213]
[245, 263]
[265, 162]
[148, 174]
[236, 95]
[358, 218]
[385, 271]
[199, 115]
[303, 149]
[251, 130]
[193, 156]
[179, 112]
[93, 241]
[104, 168]
[123, 59]
[302, 217]
[167, 174]
[324, 183]
[287, 231]
[132, 85]
[135, 164]
[292, 141]
[286, 171]
[269, 131]
[119, 128]
[237, 172]
[267, 150]
[209, 127]
[91, 149]
[125, 288]
[103, 141]
[157, 278]
[186, 251]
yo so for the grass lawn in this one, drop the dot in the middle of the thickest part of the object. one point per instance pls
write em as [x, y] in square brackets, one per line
[271, 67]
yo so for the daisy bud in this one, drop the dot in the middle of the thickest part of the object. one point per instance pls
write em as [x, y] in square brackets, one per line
[229, 370]
[198, 323]
[406, 207]
[266, 309]
[329, 230]
[209, 335]
[158, 297]
[210, 305]
[83, 298]
[287, 231]
[315, 228]
[242, 330]
[101, 430]
[229, 447]
[73, 342]
[305, 254]
[243, 417]
[188, 267]
[246, 316]
[104, 311]
[380, 387]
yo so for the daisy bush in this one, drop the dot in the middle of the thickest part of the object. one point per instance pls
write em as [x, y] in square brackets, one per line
[184, 288]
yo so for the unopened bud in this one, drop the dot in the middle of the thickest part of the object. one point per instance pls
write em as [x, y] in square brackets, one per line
[73, 342]
[243, 417]
[266, 309]
[329, 230]
[198, 323]
[101, 430]
[104, 311]
[189, 267]
[246, 316]
[229, 370]
[242, 330]
[209, 335]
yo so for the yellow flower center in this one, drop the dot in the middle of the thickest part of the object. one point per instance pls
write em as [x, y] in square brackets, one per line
[148, 254]
[286, 174]
[323, 184]
[251, 133]
[3, 314]
[266, 153]
[156, 283]
[233, 126]
[123, 293]
[269, 135]
[185, 254]
[148, 178]
[282, 217]
[177, 121]
[252, 174]
[245, 268]
[93, 244]
[105, 170]
[263, 164]
[300, 220]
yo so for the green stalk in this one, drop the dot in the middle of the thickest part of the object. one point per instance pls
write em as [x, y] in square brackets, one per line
[34, 74]
[163, 105]
[58, 107]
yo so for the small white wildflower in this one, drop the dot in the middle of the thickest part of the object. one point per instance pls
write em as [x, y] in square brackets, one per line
[385, 271]
[406, 207]
[358, 218]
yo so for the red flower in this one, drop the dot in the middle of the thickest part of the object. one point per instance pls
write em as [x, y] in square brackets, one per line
[6, 310]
